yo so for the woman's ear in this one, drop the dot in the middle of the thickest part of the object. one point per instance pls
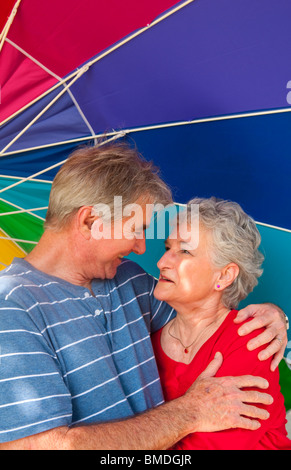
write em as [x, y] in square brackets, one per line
[227, 276]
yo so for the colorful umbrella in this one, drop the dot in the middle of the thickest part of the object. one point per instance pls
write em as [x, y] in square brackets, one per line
[202, 87]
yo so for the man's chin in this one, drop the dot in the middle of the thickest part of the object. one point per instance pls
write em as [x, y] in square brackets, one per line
[111, 271]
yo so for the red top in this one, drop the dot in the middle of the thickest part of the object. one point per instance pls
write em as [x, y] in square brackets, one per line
[177, 377]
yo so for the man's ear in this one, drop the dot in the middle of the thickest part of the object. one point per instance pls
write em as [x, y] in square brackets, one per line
[84, 221]
[227, 276]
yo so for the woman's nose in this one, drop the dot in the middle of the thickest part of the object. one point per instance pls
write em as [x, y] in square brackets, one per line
[165, 261]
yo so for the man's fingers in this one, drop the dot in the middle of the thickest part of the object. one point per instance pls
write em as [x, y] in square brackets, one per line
[277, 359]
[212, 367]
[251, 424]
[246, 313]
[255, 412]
[252, 396]
[250, 326]
[264, 338]
[250, 381]
[277, 346]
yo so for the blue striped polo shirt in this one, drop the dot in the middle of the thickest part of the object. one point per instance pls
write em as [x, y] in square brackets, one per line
[70, 358]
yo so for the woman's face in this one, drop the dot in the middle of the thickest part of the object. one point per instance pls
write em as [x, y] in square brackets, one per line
[187, 275]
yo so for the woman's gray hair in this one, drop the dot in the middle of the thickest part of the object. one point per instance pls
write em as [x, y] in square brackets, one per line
[235, 240]
[96, 175]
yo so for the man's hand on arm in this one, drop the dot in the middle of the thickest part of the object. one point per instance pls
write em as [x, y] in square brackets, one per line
[211, 404]
[275, 335]
[219, 403]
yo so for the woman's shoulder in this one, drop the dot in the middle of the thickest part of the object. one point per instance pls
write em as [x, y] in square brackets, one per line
[234, 347]
[231, 328]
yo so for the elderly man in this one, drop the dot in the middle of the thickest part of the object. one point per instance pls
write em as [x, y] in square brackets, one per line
[77, 366]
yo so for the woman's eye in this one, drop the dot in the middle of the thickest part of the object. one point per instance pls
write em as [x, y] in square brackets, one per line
[186, 252]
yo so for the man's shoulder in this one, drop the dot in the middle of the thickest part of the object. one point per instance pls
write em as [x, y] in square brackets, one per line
[13, 276]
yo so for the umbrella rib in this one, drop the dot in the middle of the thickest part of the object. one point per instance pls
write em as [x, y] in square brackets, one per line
[17, 240]
[17, 178]
[13, 240]
[100, 56]
[156, 126]
[23, 180]
[274, 227]
[79, 74]
[36, 61]
[81, 113]
[29, 178]
[140, 31]
[258, 223]
[212, 119]
[25, 211]
[64, 142]
[22, 209]
[60, 80]
[8, 24]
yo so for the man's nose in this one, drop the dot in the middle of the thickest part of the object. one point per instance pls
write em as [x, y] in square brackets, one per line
[140, 246]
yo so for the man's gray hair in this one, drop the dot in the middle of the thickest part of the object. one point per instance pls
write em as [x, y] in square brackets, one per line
[235, 240]
[96, 175]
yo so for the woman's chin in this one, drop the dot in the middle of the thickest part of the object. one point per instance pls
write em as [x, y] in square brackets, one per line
[160, 294]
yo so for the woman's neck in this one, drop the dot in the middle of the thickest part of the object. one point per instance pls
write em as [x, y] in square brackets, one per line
[189, 331]
[200, 318]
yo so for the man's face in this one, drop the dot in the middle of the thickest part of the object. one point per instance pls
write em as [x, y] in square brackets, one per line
[124, 236]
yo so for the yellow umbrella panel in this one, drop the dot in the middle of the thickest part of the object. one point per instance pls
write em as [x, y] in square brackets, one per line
[19, 232]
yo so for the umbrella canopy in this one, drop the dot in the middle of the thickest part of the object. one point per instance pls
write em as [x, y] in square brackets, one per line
[202, 87]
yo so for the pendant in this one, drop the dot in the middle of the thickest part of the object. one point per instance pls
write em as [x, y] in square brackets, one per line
[186, 351]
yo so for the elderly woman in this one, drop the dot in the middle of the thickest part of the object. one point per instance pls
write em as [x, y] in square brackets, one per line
[224, 268]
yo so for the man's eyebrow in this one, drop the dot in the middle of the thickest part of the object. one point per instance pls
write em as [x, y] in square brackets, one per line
[142, 228]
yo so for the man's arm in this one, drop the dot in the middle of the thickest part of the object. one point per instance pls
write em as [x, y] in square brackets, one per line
[275, 335]
[211, 404]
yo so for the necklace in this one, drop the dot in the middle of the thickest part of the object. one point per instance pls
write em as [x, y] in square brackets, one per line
[186, 348]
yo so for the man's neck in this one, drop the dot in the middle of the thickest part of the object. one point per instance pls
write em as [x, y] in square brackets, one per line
[55, 254]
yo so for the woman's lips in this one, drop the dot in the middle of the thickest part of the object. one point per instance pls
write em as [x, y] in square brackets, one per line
[164, 279]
